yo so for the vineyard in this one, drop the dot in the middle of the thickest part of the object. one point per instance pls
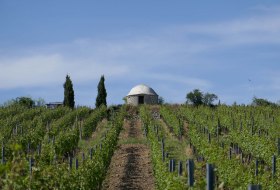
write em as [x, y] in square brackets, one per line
[146, 147]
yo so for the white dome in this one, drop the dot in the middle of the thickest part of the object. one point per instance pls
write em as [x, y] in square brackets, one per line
[141, 89]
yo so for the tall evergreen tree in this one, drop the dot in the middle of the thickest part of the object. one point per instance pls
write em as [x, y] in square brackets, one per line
[68, 93]
[102, 94]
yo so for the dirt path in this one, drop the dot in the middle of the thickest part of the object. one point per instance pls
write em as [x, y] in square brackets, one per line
[131, 166]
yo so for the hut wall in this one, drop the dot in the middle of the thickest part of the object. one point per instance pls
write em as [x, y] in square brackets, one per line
[148, 99]
[133, 100]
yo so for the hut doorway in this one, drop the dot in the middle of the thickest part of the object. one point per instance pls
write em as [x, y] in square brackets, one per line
[140, 99]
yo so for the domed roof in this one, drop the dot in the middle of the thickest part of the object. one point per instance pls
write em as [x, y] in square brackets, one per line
[141, 89]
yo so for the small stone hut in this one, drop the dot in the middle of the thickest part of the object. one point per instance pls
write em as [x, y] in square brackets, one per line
[142, 94]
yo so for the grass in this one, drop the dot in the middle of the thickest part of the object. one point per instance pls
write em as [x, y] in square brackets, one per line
[85, 145]
[176, 148]
[131, 140]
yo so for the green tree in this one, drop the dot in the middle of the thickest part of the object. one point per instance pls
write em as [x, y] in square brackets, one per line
[25, 101]
[161, 100]
[125, 100]
[208, 99]
[262, 102]
[40, 102]
[195, 97]
[68, 93]
[102, 94]
[20, 101]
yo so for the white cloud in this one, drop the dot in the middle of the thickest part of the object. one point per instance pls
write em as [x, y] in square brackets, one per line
[29, 71]
[266, 9]
[46, 69]
[162, 56]
[87, 59]
[262, 29]
[191, 82]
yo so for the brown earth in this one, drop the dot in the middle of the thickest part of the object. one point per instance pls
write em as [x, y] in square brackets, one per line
[131, 166]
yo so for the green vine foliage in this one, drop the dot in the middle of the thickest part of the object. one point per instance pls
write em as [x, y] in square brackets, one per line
[91, 122]
[48, 173]
[164, 179]
[253, 129]
[171, 120]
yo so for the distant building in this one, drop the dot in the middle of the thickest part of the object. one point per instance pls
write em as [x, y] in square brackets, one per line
[141, 94]
[53, 105]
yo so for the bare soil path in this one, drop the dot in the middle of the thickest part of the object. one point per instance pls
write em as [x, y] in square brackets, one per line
[131, 166]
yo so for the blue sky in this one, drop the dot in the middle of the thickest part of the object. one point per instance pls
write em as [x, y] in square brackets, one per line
[230, 48]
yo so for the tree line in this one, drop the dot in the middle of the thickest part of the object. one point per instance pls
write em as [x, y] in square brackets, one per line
[69, 96]
[198, 98]
[195, 97]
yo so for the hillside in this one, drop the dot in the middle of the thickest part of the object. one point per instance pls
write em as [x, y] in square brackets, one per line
[147, 147]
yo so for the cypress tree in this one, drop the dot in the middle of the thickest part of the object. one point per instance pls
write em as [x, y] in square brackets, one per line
[68, 93]
[102, 94]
